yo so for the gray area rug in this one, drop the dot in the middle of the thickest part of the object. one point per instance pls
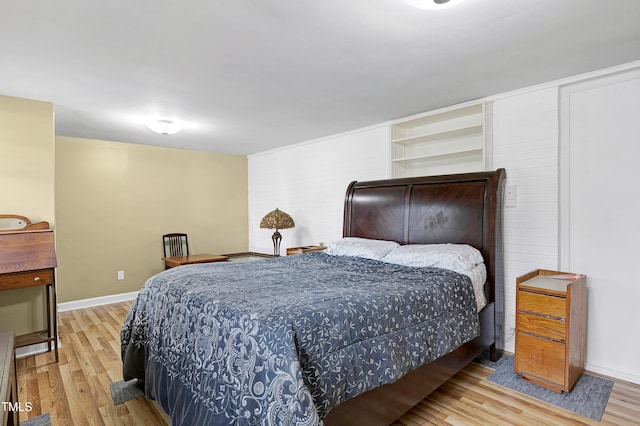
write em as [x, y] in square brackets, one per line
[41, 420]
[125, 391]
[588, 398]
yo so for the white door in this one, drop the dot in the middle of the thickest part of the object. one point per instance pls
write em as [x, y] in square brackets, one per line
[600, 214]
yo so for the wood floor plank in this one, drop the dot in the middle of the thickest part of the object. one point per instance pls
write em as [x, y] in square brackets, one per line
[46, 403]
[75, 391]
[87, 399]
[33, 390]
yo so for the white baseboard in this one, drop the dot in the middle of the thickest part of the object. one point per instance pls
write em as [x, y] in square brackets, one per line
[613, 373]
[96, 301]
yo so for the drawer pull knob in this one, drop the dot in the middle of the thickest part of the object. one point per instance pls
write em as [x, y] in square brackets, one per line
[36, 279]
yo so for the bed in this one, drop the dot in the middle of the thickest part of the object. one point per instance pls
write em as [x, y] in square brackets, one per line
[319, 338]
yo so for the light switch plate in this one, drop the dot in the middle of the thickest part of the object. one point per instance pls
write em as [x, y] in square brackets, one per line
[511, 196]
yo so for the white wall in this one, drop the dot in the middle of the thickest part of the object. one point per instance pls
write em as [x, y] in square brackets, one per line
[309, 182]
[599, 212]
[525, 143]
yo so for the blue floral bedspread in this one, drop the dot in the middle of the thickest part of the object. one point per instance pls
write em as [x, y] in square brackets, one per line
[282, 341]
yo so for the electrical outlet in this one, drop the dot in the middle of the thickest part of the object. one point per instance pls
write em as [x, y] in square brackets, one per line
[120, 275]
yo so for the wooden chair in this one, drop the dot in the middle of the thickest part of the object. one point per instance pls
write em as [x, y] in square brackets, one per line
[175, 244]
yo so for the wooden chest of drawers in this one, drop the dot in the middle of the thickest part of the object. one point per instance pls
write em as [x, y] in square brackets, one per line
[551, 319]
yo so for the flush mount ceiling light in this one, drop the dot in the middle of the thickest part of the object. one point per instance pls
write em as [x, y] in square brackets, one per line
[433, 4]
[164, 126]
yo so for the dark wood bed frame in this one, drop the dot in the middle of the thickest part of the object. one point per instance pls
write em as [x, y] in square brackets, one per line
[461, 209]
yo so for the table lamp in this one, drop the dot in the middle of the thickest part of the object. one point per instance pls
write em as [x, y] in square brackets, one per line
[277, 219]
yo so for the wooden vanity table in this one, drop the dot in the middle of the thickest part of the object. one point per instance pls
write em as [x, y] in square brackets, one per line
[28, 259]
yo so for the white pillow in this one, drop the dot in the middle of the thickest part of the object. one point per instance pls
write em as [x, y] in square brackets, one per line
[456, 257]
[361, 247]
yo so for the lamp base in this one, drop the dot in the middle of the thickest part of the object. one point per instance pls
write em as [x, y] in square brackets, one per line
[276, 237]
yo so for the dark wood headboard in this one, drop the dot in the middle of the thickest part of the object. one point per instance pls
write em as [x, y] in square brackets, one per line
[461, 209]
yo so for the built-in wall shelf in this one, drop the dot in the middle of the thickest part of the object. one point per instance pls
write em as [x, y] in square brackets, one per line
[457, 153]
[446, 141]
[449, 134]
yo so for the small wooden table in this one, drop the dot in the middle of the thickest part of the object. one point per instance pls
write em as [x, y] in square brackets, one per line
[247, 256]
[173, 261]
[8, 380]
[304, 249]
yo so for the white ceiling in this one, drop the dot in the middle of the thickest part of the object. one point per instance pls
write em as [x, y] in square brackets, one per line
[252, 75]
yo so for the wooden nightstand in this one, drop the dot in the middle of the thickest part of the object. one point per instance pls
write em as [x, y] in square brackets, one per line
[551, 322]
[304, 249]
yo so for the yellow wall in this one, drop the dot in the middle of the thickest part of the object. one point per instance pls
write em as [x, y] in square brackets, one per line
[27, 189]
[115, 200]
[109, 204]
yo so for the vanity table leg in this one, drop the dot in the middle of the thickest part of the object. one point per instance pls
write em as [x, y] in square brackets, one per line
[55, 318]
[49, 329]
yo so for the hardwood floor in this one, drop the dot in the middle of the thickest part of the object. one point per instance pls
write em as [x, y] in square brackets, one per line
[469, 399]
[75, 391]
